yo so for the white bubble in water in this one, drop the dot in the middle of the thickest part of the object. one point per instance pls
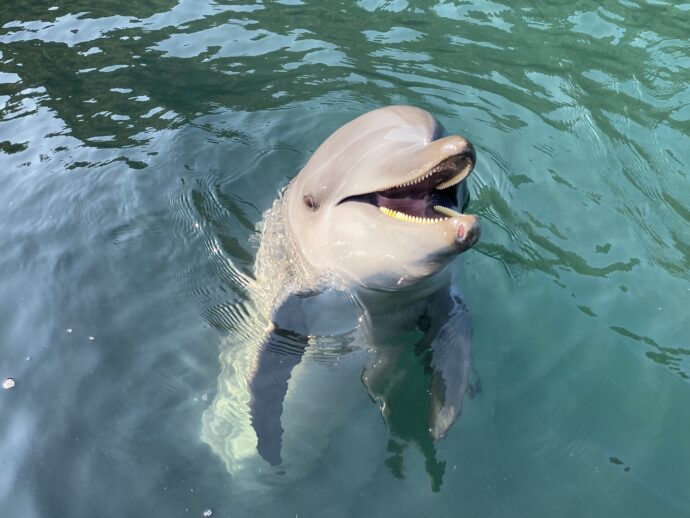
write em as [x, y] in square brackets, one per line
[92, 338]
[68, 330]
[8, 383]
[208, 513]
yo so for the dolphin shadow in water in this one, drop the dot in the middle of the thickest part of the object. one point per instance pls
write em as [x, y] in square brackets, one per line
[408, 387]
[404, 405]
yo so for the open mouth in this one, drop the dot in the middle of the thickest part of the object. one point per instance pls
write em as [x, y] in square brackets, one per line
[431, 198]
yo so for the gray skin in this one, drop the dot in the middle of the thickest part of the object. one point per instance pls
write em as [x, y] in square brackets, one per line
[336, 262]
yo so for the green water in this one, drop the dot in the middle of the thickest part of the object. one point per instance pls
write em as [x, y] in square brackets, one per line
[140, 143]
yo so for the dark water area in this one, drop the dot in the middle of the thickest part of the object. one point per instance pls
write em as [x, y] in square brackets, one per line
[140, 143]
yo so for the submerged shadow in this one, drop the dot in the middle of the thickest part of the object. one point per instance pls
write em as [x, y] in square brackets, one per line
[403, 395]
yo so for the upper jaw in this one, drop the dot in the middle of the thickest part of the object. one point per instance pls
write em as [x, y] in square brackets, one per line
[447, 172]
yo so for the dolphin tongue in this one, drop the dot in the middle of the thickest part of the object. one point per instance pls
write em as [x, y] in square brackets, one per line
[417, 199]
[412, 206]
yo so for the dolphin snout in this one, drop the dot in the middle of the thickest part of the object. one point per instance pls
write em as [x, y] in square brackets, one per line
[457, 146]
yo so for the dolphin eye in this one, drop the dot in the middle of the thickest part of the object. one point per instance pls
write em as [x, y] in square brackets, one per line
[310, 202]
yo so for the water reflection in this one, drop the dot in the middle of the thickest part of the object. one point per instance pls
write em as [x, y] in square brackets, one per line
[403, 396]
[675, 358]
[141, 142]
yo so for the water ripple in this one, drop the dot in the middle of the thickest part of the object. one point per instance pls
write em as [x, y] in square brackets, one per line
[141, 142]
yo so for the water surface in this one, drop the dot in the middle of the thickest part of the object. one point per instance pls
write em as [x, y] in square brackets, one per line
[140, 143]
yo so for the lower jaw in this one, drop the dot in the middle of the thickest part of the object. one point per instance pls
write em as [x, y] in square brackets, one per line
[439, 214]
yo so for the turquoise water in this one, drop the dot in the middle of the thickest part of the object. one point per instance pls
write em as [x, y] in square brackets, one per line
[140, 143]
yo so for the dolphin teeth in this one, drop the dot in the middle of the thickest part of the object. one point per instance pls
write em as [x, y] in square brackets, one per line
[406, 217]
[412, 182]
[457, 178]
[446, 211]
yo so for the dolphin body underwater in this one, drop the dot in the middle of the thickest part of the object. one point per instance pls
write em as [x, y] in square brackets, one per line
[355, 253]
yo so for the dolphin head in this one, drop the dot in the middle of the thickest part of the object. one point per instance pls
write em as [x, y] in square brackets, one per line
[377, 203]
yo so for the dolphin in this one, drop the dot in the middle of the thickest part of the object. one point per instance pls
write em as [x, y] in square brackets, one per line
[361, 243]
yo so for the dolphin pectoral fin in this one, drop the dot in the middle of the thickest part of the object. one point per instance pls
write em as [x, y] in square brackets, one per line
[280, 352]
[295, 321]
[451, 365]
